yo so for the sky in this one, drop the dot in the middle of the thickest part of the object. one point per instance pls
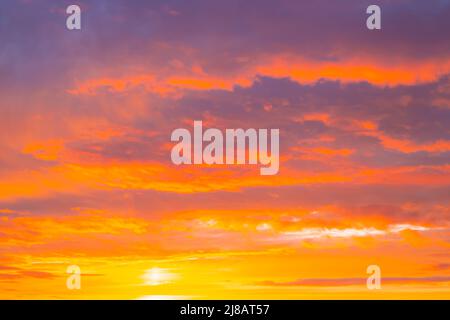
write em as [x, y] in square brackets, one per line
[86, 177]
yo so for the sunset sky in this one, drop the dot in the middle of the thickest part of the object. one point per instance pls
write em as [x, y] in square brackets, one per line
[86, 177]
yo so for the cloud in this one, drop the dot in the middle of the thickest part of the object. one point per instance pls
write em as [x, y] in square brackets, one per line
[158, 276]
[334, 282]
